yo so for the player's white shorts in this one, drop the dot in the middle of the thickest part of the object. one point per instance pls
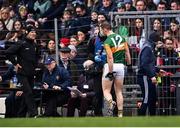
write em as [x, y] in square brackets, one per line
[117, 67]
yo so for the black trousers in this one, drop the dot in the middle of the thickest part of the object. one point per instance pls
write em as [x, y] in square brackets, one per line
[149, 95]
[13, 105]
[98, 99]
[81, 103]
[52, 100]
[27, 88]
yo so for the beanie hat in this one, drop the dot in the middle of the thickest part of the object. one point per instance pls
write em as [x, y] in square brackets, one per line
[30, 28]
[120, 5]
[73, 48]
[65, 41]
[154, 37]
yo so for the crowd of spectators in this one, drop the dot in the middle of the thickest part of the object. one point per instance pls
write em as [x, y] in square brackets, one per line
[79, 29]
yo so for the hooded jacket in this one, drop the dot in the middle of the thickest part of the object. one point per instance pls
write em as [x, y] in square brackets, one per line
[147, 59]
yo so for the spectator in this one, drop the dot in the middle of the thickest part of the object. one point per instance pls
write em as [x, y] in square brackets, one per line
[73, 52]
[107, 6]
[22, 14]
[64, 55]
[12, 14]
[174, 33]
[17, 32]
[67, 25]
[5, 16]
[51, 49]
[55, 11]
[56, 78]
[151, 6]
[81, 48]
[25, 64]
[94, 17]
[121, 7]
[138, 32]
[82, 17]
[175, 5]
[169, 57]
[102, 17]
[140, 5]
[64, 42]
[94, 21]
[161, 6]
[86, 85]
[157, 26]
[129, 5]
[74, 40]
[73, 66]
[165, 21]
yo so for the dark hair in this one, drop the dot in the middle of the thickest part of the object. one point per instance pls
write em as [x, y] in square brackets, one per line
[102, 13]
[174, 21]
[13, 29]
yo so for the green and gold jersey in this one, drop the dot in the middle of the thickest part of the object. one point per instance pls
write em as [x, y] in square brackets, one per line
[117, 45]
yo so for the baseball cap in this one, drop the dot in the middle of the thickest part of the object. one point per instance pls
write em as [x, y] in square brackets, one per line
[65, 50]
[49, 60]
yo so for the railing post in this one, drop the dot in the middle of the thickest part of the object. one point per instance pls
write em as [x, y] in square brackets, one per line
[56, 39]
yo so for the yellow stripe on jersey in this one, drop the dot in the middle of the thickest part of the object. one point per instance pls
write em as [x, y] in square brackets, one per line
[121, 47]
[107, 48]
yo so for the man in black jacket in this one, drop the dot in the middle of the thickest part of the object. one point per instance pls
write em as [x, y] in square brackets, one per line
[86, 86]
[24, 57]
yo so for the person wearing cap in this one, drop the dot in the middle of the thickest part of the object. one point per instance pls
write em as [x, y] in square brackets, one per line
[56, 78]
[64, 42]
[129, 5]
[24, 56]
[64, 55]
[147, 75]
[121, 7]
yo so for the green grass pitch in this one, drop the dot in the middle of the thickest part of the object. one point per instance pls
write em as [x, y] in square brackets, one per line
[168, 121]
